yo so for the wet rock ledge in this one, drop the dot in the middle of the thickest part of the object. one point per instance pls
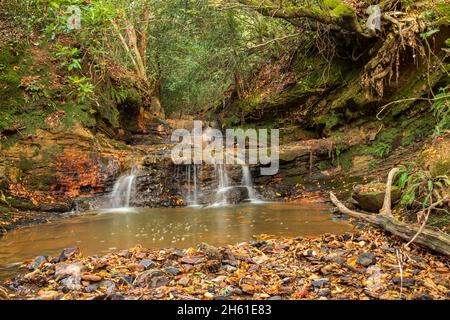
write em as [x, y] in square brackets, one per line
[351, 266]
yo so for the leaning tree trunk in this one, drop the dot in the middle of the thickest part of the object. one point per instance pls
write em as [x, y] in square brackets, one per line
[434, 240]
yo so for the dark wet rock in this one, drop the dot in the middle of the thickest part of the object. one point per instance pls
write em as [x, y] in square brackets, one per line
[367, 259]
[38, 261]
[260, 244]
[147, 263]
[172, 271]
[210, 251]
[116, 296]
[68, 253]
[319, 283]
[51, 207]
[275, 298]
[407, 282]
[236, 195]
[324, 293]
[125, 280]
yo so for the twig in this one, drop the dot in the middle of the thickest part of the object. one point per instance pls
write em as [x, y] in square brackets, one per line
[400, 266]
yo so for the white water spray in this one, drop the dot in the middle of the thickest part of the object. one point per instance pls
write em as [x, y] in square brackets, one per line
[123, 192]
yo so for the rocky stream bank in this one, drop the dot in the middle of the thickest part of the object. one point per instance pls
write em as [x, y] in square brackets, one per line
[355, 265]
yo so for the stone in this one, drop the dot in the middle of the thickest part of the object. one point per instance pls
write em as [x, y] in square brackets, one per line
[38, 261]
[324, 293]
[108, 285]
[184, 281]
[274, 298]
[319, 283]
[210, 251]
[366, 259]
[36, 277]
[229, 268]
[160, 281]
[213, 266]
[373, 201]
[67, 253]
[71, 283]
[145, 278]
[65, 270]
[172, 271]
[334, 257]
[147, 263]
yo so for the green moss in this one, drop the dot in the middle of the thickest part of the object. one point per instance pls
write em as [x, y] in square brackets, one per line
[330, 120]
[443, 13]
[324, 165]
[440, 167]
[338, 8]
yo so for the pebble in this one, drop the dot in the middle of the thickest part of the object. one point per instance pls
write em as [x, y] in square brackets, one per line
[366, 259]
[173, 271]
[321, 282]
[147, 263]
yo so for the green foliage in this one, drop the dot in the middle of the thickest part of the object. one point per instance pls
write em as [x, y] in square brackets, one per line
[420, 186]
[81, 89]
[441, 110]
[70, 57]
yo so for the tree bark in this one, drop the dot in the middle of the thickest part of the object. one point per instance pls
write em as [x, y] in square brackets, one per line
[346, 19]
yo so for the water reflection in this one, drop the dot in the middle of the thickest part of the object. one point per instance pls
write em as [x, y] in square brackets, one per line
[181, 227]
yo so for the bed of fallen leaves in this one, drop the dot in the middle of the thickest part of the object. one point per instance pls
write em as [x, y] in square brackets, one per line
[356, 265]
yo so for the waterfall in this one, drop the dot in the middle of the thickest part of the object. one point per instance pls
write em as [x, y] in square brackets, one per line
[122, 192]
[223, 187]
[247, 181]
[192, 196]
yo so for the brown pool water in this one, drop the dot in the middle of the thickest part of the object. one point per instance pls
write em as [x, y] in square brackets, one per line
[158, 228]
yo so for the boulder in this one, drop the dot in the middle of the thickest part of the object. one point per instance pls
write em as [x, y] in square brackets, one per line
[370, 197]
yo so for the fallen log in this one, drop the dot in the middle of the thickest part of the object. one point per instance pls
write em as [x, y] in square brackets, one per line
[434, 240]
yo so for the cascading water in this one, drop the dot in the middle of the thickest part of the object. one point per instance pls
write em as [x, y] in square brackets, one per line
[122, 192]
[247, 181]
[223, 187]
[192, 196]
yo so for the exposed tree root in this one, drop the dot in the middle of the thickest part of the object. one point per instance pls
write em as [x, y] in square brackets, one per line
[434, 240]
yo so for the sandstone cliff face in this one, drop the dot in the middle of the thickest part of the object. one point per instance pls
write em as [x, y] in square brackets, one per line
[55, 166]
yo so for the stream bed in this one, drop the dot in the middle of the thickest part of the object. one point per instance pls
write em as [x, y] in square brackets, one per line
[158, 228]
